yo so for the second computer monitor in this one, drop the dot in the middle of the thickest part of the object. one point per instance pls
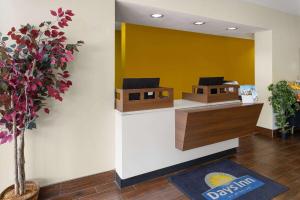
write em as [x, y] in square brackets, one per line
[140, 83]
[211, 81]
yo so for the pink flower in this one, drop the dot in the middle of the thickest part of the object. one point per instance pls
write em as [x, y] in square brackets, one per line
[63, 59]
[40, 56]
[6, 139]
[69, 56]
[39, 83]
[53, 61]
[3, 134]
[2, 64]
[47, 110]
[53, 13]
[33, 87]
[7, 117]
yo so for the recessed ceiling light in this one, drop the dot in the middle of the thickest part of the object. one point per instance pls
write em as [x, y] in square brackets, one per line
[232, 28]
[157, 15]
[199, 23]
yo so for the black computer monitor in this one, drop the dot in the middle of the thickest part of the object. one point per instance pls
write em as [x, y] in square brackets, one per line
[211, 81]
[140, 83]
[206, 81]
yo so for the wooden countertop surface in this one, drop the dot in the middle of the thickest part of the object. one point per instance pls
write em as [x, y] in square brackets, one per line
[216, 107]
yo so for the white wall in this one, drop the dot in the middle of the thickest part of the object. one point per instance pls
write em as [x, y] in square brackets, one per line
[77, 138]
[263, 74]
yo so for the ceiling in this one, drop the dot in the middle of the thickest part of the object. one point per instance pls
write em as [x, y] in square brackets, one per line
[287, 6]
[139, 14]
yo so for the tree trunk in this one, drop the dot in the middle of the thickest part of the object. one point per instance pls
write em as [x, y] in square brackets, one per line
[21, 152]
[21, 161]
[15, 153]
[21, 156]
[16, 163]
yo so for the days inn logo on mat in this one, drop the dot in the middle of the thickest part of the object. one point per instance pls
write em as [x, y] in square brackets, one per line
[227, 187]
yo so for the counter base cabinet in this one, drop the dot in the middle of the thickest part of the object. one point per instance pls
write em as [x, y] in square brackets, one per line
[174, 168]
[209, 125]
[145, 143]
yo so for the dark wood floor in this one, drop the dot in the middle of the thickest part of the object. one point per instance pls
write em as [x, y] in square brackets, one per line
[274, 158]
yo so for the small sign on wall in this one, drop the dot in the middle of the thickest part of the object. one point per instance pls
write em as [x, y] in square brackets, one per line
[248, 93]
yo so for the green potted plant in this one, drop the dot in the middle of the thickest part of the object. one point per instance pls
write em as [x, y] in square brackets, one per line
[284, 103]
[33, 68]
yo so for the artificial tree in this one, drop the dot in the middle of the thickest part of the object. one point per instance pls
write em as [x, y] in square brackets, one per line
[284, 103]
[33, 67]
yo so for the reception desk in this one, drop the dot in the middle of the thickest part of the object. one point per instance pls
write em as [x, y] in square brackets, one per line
[146, 145]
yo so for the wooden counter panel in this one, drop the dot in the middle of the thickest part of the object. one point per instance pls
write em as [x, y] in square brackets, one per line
[163, 98]
[206, 95]
[212, 124]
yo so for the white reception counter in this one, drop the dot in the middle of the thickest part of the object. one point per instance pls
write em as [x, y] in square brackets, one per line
[145, 140]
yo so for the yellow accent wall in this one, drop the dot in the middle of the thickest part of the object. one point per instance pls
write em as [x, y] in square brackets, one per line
[118, 60]
[179, 58]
